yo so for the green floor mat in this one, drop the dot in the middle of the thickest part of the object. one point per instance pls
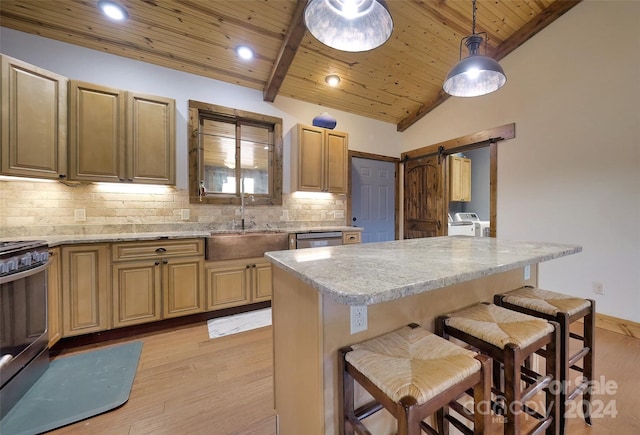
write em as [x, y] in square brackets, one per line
[74, 388]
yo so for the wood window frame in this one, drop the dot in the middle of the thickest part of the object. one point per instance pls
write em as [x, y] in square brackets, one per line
[196, 108]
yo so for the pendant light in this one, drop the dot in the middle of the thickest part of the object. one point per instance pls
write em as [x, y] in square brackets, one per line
[475, 75]
[349, 25]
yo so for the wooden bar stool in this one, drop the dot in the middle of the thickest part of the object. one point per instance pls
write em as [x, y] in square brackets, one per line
[413, 374]
[510, 338]
[565, 310]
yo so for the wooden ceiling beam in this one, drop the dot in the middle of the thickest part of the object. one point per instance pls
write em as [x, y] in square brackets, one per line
[287, 52]
[554, 11]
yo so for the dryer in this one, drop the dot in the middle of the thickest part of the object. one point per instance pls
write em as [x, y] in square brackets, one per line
[481, 228]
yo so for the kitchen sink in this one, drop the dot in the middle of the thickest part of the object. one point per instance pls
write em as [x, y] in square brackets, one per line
[229, 246]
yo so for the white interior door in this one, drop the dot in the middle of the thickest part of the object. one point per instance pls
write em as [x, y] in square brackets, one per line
[373, 198]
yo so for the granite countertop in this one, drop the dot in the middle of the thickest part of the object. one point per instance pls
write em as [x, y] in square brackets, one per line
[109, 237]
[379, 272]
[123, 237]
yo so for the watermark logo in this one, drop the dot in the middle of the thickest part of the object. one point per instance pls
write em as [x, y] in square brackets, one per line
[604, 406]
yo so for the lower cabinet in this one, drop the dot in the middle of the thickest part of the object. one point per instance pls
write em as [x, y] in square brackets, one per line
[85, 288]
[54, 298]
[154, 280]
[231, 283]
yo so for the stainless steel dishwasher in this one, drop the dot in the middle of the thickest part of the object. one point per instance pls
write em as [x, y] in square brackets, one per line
[318, 239]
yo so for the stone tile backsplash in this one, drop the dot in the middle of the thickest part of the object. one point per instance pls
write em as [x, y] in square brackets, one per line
[29, 208]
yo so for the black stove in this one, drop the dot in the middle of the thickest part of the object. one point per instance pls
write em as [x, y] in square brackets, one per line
[18, 256]
[24, 352]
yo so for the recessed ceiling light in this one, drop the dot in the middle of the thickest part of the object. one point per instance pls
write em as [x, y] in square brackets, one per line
[244, 52]
[113, 10]
[332, 80]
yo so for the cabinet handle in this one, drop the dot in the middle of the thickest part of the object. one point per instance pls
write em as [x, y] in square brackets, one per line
[253, 265]
[157, 263]
[248, 266]
[159, 250]
[165, 261]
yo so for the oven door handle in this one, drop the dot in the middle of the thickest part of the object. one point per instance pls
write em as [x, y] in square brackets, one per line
[24, 274]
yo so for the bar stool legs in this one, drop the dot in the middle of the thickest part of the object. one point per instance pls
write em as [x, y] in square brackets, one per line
[565, 310]
[510, 338]
[413, 374]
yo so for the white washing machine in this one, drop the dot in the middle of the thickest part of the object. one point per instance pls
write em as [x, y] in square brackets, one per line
[461, 228]
[481, 228]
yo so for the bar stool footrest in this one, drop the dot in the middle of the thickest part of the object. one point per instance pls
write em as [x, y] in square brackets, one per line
[579, 355]
[577, 391]
[576, 336]
[541, 427]
[536, 388]
[368, 409]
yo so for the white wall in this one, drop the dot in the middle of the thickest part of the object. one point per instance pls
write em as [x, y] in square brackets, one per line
[572, 173]
[109, 70]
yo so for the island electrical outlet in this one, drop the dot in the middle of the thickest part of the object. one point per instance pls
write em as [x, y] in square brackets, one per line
[358, 318]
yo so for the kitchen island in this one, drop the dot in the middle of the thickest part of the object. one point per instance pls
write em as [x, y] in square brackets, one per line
[399, 282]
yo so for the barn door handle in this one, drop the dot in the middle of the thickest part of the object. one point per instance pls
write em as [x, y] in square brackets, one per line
[439, 225]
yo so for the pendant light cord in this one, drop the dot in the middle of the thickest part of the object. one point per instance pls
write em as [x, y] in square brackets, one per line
[473, 28]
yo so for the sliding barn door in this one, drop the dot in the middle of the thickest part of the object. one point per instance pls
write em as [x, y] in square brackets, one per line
[424, 197]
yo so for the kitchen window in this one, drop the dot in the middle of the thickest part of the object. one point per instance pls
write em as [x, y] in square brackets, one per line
[234, 153]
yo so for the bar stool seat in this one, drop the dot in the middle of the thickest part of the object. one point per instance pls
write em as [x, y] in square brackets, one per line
[565, 310]
[545, 301]
[510, 337]
[412, 373]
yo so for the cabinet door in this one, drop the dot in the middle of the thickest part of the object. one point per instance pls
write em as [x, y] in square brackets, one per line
[261, 282]
[151, 139]
[311, 159]
[337, 161]
[182, 286]
[96, 133]
[465, 180]
[85, 289]
[459, 179]
[54, 298]
[34, 121]
[136, 292]
[227, 285]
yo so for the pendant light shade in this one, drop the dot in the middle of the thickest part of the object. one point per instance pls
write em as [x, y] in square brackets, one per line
[349, 25]
[476, 74]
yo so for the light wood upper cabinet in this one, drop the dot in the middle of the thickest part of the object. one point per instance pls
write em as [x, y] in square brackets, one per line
[96, 133]
[85, 289]
[151, 145]
[459, 179]
[34, 121]
[320, 160]
[120, 136]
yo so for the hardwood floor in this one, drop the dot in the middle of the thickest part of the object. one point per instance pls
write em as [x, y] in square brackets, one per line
[189, 384]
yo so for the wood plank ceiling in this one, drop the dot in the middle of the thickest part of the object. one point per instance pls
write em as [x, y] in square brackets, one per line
[399, 82]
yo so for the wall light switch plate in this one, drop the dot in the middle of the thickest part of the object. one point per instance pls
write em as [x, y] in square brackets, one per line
[80, 215]
[186, 214]
[339, 214]
[527, 272]
[358, 318]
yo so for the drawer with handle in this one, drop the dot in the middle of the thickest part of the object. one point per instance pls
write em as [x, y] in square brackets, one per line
[351, 237]
[126, 251]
